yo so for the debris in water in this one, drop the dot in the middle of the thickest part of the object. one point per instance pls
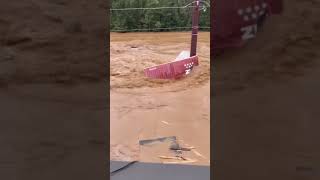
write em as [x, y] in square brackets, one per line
[170, 157]
[165, 122]
[182, 159]
[162, 139]
[188, 160]
[175, 146]
[197, 153]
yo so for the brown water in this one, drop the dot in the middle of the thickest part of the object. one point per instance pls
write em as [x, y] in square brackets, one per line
[131, 53]
[142, 108]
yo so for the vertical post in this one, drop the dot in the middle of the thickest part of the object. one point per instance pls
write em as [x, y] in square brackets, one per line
[195, 28]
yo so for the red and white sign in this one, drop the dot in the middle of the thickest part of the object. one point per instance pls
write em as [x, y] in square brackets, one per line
[236, 21]
[184, 63]
[172, 70]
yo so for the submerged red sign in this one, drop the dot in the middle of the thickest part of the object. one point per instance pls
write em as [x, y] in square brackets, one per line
[236, 21]
[172, 70]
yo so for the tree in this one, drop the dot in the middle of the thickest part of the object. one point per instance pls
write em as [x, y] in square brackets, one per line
[153, 19]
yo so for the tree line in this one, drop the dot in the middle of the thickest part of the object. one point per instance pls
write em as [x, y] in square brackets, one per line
[154, 19]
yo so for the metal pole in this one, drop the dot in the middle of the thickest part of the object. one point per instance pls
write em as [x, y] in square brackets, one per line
[195, 28]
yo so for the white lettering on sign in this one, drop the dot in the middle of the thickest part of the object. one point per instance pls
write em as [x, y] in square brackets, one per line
[188, 71]
[252, 13]
[188, 67]
[249, 32]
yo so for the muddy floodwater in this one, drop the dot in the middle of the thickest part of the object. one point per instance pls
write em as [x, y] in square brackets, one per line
[146, 109]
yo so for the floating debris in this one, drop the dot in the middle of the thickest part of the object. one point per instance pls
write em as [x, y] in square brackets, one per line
[176, 147]
[162, 139]
[170, 157]
[165, 122]
[197, 153]
[182, 159]
[180, 162]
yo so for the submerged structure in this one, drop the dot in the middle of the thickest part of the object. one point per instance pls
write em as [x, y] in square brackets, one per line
[185, 61]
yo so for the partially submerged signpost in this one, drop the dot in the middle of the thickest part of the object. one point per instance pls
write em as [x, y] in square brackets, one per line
[195, 28]
[185, 61]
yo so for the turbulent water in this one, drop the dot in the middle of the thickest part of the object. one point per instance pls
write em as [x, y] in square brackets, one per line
[142, 108]
[131, 53]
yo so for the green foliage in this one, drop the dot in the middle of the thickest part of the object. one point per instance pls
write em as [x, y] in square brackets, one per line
[154, 18]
